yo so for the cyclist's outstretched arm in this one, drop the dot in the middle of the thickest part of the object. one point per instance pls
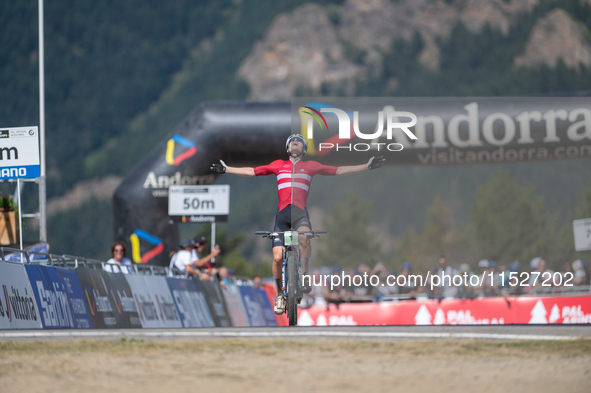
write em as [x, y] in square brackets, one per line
[223, 168]
[244, 171]
[373, 163]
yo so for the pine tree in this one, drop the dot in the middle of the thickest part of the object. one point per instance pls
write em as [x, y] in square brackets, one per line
[349, 241]
[510, 222]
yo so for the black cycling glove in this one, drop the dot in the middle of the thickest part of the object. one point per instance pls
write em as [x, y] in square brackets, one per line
[218, 168]
[376, 162]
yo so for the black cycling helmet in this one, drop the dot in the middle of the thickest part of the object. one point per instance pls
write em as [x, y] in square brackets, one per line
[300, 138]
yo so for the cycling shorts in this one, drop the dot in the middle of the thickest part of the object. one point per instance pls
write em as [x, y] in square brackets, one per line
[290, 219]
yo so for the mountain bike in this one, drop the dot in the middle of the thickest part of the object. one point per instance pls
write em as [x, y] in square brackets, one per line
[291, 274]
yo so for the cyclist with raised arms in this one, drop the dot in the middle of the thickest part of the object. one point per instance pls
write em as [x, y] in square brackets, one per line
[294, 176]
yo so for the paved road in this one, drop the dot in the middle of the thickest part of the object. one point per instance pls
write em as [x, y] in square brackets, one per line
[506, 332]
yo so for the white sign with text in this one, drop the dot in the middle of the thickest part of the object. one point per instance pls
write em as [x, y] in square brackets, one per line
[582, 232]
[19, 153]
[199, 203]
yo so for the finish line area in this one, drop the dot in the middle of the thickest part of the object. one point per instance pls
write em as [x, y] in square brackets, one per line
[506, 332]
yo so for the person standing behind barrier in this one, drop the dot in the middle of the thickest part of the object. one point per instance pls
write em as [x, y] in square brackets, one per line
[446, 273]
[465, 290]
[118, 252]
[206, 264]
[182, 261]
[579, 274]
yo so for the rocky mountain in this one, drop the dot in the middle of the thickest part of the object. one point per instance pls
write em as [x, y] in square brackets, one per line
[315, 44]
[557, 36]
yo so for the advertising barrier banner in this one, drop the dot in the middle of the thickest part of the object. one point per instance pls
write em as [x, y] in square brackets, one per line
[18, 309]
[481, 311]
[146, 303]
[169, 314]
[235, 305]
[122, 300]
[216, 303]
[191, 304]
[266, 309]
[96, 294]
[564, 310]
[71, 286]
[52, 300]
[252, 306]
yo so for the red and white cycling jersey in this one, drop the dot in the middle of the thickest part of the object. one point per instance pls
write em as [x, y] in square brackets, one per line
[299, 176]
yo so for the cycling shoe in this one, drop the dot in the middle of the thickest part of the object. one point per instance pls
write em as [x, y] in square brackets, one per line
[279, 305]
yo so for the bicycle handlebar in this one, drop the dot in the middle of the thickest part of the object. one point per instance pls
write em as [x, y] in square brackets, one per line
[276, 234]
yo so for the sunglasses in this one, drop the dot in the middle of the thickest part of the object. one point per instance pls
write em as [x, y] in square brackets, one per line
[118, 250]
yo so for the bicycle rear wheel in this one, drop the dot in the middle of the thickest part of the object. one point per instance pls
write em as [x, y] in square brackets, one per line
[292, 288]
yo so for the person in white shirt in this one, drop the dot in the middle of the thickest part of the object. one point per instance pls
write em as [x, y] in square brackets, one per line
[118, 252]
[184, 261]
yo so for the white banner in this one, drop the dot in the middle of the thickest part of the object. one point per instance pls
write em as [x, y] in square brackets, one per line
[18, 309]
[169, 316]
[146, 302]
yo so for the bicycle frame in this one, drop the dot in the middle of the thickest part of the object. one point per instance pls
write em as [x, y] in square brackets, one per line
[286, 249]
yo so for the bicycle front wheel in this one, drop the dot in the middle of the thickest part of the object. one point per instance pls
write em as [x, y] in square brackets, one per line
[292, 289]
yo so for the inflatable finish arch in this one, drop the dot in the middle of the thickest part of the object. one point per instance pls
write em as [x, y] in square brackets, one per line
[450, 131]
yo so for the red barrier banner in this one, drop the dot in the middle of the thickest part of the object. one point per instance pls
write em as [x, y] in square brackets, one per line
[481, 311]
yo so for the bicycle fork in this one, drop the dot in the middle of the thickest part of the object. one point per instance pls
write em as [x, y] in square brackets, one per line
[284, 275]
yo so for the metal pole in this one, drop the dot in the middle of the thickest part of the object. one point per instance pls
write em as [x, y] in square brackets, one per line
[42, 184]
[213, 238]
[20, 218]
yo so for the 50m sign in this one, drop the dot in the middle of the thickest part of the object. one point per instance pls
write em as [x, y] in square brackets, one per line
[199, 203]
[19, 153]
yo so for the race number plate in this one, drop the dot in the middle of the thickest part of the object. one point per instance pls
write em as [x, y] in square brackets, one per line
[290, 238]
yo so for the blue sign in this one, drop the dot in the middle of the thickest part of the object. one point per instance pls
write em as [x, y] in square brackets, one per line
[252, 306]
[71, 286]
[190, 302]
[51, 299]
[266, 308]
[17, 256]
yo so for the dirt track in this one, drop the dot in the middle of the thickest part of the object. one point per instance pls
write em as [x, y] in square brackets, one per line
[325, 365]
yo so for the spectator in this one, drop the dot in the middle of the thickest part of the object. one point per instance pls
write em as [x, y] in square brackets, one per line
[349, 287]
[384, 288]
[579, 274]
[407, 286]
[317, 290]
[533, 264]
[545, 277]
[118, 252]
[224, 279]
[433, 291]
[257, 281]
[587, 272]
[483, 265]
[183, 261]
[513, 286]
[492, 280]
[206, 265]
[334, 294]
[465, 291]
[446, 274]
[364, 291]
